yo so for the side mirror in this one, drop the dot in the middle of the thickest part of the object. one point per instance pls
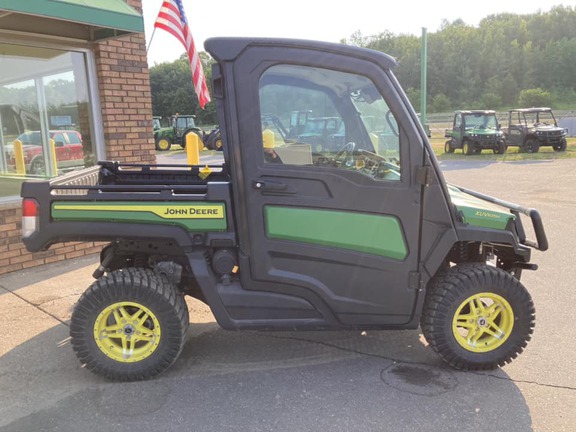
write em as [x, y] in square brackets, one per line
[59, 143]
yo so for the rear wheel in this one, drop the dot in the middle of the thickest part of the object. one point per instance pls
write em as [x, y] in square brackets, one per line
[477, 317]
[531, 146]
[218, 144]
[448, 147]
[129, 325]
[163, 144]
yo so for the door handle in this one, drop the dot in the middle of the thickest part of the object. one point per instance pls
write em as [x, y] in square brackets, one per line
[269, 185]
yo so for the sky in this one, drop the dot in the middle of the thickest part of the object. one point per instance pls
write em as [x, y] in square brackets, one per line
[321, 20]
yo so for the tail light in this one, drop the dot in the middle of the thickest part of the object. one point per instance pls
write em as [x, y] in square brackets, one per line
[30, 213]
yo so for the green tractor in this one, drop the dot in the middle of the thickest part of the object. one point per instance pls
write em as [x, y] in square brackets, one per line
[474, 131]
[181, 126]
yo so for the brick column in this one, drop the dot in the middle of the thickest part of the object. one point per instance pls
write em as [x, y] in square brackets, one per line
[125, 99]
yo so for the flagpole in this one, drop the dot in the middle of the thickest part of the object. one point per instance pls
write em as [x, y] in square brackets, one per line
[154, 31]
[150, 43]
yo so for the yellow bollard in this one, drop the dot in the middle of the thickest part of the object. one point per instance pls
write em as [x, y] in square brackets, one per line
[268, 139]
[193, 149]
[54, 161]
[19, 158]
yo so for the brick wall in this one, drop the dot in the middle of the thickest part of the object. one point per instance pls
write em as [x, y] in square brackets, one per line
[126, 102]
[124, 87]
[13, 254]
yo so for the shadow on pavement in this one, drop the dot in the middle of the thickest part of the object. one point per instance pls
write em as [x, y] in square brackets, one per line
[251, 381]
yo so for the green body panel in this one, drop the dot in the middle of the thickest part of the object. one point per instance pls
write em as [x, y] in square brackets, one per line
[192, 216]
[477, 212]
[369, 233]
[165, 132]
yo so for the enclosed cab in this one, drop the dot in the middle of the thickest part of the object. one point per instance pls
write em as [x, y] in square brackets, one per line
[474, 131]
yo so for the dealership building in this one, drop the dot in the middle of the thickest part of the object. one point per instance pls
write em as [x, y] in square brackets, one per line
[74, 89]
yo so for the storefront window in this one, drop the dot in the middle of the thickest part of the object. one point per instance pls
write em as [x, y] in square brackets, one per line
[45, 114]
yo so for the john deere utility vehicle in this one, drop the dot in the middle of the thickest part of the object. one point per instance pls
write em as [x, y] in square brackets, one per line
[284, 236]
[532, 128]
[474, 131]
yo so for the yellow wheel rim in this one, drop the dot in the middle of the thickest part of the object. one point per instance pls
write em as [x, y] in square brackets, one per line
[163, 144]
[483, 322]
[127, 332]
[218, 144]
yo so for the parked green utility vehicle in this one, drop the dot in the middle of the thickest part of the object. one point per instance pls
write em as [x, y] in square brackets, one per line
[181, 126]
[366, 236]
[474, 131]
[532, 128]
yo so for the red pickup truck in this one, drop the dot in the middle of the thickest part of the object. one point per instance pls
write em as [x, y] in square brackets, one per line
[68, 145]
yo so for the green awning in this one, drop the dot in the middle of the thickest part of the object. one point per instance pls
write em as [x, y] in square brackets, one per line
[90, 20]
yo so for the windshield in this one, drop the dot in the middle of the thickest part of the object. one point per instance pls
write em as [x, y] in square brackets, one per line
[481, 121]
[314, 126]
[541, 118]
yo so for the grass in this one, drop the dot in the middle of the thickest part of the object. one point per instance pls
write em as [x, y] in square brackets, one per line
[512, 154]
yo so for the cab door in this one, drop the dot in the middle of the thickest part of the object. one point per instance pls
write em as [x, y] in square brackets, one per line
[336, 228]
[458, 130]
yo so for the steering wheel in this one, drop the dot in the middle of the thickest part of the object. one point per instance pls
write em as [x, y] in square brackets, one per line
[346, 154]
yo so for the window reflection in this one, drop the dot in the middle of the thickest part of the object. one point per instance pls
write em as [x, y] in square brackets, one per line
[327, 118]
[44, 114]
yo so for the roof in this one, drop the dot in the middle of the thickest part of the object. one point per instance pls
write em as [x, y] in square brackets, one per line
[484, 112]
[525, 110]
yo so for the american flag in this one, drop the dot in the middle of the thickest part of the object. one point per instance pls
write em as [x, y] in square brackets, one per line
[173, 19]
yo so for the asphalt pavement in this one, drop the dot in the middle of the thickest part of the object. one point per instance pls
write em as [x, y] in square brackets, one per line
[305, 381]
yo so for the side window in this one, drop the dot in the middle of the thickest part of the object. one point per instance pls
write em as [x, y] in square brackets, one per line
[326, 118]
[59, 139]
[73, 138]
[458, 120]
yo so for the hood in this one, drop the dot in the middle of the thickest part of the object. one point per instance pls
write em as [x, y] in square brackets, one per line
[484, 131]
[477, 212]
[547, 127]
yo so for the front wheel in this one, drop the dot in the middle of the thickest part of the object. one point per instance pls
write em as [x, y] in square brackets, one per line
[500, 148]
[467, 148]
[477, 317]
[38, 167]
[129, 325]
[560, 146]
[163, 144]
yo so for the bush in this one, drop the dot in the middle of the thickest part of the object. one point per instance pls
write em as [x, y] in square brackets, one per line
[535, 98]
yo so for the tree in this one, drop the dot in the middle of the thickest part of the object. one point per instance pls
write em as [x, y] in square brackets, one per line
[441, 103]
[490, 101]
[489, 63]
[173, 90]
